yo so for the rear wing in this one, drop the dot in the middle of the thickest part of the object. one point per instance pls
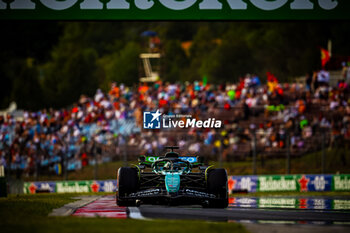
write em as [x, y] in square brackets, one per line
[152, 159]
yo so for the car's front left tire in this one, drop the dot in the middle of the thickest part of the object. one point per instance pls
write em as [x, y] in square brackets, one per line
[217, 185]
[127, 182]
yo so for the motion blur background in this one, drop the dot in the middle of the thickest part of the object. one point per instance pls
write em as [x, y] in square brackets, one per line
[72, 98]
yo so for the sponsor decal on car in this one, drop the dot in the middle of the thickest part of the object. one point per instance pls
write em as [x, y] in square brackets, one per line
[191, 159]
[149, 192]
[199, 194]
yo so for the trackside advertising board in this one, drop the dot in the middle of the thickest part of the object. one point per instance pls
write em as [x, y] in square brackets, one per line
[285, 183]
[311, 203]
[85, 186]
[175, 9]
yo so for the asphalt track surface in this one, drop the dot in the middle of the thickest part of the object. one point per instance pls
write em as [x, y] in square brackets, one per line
[231, 214]
[106, 207]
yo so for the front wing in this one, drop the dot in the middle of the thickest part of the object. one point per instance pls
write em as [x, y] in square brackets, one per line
[161, 196]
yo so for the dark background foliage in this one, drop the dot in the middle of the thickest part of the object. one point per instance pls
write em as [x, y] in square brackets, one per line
[50, 64]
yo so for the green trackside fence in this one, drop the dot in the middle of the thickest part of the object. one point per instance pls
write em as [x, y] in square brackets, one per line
[285, 183]
[263, 183]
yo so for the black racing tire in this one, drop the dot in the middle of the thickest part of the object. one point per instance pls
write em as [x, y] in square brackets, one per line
[127, 182]
[217, 185]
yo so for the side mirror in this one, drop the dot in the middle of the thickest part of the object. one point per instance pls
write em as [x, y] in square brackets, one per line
[200, 159]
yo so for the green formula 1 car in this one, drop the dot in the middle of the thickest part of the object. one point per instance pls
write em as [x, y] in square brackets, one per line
[172, 180]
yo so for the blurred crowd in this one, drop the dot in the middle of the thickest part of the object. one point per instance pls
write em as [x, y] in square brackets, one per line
[268, 117]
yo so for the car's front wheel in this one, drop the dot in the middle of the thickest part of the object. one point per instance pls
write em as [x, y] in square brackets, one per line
[127, 182]
[217, 185]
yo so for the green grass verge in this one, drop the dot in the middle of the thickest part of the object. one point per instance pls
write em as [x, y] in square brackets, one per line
[29, 213]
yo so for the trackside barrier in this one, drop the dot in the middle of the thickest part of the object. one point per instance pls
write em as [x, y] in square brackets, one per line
[301, 183]
[83, 186]
[263, 183]
[3, 183]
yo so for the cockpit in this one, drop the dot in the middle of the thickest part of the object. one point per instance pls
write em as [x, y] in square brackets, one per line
[171, 165]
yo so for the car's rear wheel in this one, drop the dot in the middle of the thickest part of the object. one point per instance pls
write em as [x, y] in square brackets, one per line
[217, 185]
[127, 182]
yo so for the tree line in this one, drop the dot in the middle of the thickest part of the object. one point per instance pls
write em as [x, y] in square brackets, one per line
[50, 64]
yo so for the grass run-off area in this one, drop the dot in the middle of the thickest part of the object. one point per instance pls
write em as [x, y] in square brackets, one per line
[337, 161]
[29, 213]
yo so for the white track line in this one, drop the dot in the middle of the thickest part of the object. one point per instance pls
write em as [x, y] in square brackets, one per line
[135, 213]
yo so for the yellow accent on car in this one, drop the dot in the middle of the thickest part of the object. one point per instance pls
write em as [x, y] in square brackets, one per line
[139, 171]
[206, 170]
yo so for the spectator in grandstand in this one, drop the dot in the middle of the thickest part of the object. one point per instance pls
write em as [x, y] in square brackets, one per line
[114, 119]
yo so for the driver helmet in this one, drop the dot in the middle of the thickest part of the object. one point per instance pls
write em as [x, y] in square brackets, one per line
[176, 167]
[167, 166]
